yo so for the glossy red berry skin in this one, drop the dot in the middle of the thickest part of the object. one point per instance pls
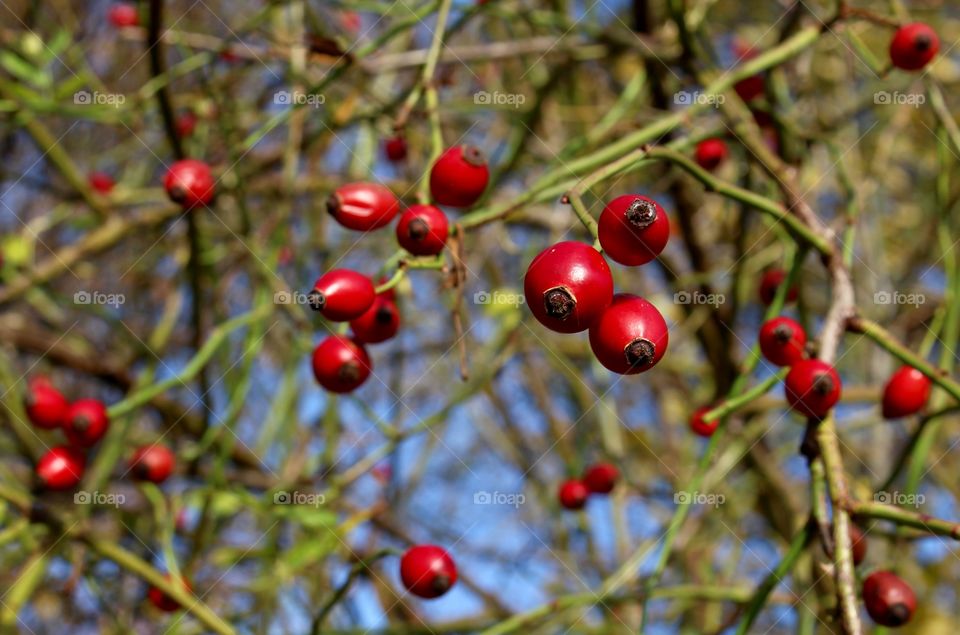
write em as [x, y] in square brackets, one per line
[633, 229]
[427, 571]
[906, 393]
[342, 295]
[572, 494]
[913, 46]
[340, 364]
[812, 387]
[858, 543]
[190, 183]
[782, 341]
[459, 177]
[46, 407]
[152, 463]
[889, 600]
[60, 468]
[380, 322]
[601, 478]
[631, 335]
[423, 230]
[86, 422]
[123, 15]
[395, 148]
[101, 182]
[770, 282]
[711, 153]
[163, 601]
[568, 286]
[363, 206]
[701, 427]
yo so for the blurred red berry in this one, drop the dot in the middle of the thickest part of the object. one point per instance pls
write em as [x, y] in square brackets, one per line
[45, 405]
[573, 494]
[913, 46]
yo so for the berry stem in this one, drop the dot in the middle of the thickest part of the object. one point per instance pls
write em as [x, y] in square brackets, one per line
[576, 202]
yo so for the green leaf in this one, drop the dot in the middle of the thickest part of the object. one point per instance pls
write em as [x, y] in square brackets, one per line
[22, 69]
[59, 43]
[307, 552]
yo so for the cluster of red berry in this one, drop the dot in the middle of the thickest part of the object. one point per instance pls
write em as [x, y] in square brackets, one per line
[457, 179]
[84, 422]
[569, 286]
[597, 479]
[812, 386]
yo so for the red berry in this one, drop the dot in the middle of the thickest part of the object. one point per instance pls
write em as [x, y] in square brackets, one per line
[782, 341]
[770, 282]
[459, 177]
[858, 542]
[46, 407]
[711, 153]
[186, 124]
[753, 86]
[567, 286]
[363, 206]
[342, 295]
[701, 427]
[228, 54]
[750, 88]
[630, 337]
[913, 46]
[423, 230]
[395, 148]
[101, 182]
[890, 601]
[341, 364]
[812, 387]
[601, 478]
[152, 463]
[123, 15]
[190, 183]
[163, 601]
[351, 21]
[60, 468]
[86, 422]
[906, 393]
[379, 323]
[427, 571]
[573, 494]
[633, 229]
